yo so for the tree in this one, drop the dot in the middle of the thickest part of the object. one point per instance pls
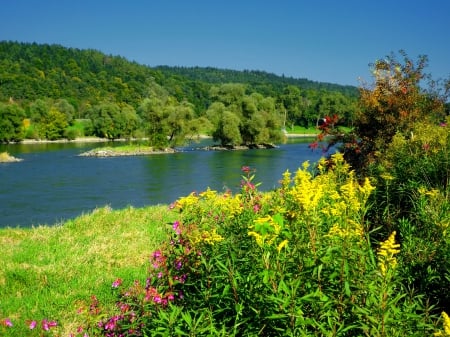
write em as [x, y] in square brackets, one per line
[254, 118]
[11, 122]
[53, 124]
[151, 110]
[228, 129]
[106, 121]
[394, 104]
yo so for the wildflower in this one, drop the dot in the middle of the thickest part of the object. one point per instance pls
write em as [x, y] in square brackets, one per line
[32, 325]
[7, 322]
[117, 283]
[446, 322]
[246, 169]
[47, 325]
[282, 245]
[386, 254]
[178, 264]
[176, 227]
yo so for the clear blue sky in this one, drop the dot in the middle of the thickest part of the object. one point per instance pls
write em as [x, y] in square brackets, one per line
[321, 40]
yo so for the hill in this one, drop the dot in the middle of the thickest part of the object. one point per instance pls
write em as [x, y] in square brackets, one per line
[29, 71]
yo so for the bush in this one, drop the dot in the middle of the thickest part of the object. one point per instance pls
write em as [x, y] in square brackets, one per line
[296, 261]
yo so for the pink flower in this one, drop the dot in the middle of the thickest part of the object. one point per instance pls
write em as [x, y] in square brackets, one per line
[47, 325]
[117, 283]
[176, 227]
[32, 325]
[246, 169]
[8, 322]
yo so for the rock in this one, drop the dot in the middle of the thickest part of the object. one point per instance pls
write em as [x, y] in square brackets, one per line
[5, 157]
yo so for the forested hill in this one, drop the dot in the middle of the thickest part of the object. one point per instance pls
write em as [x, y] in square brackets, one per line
[29, 71]
[255, 78]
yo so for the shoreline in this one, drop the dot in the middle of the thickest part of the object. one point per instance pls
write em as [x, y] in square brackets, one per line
[105, 140]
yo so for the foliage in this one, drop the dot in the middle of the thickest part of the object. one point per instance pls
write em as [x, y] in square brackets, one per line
[11, 122]
[297, 261]
[77, 82]
[412, 197]
[238, 118]
[401, 139]
[394, 104]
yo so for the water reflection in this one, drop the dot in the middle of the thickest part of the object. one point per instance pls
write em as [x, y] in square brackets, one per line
[53, 183]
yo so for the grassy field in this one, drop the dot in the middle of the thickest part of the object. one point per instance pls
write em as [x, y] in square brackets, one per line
[48, 272]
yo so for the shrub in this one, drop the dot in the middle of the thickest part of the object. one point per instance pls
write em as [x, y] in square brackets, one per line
[296, 261]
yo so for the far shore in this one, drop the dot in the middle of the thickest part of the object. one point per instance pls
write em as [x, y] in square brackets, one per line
[106, 140]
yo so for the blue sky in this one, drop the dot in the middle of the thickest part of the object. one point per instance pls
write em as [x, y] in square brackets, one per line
[321, 40]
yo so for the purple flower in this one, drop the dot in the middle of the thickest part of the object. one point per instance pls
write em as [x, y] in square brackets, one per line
[178, 264]
[156, 254]
[32, 325]
[176, 227]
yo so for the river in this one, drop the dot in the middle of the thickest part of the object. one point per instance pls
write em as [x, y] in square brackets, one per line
[53, 184]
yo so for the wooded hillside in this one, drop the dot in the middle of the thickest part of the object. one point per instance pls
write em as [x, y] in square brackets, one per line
[45, 80]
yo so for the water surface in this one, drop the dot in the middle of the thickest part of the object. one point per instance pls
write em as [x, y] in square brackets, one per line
[53, 183]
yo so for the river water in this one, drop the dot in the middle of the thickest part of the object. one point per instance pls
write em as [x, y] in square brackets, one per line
[53, 183]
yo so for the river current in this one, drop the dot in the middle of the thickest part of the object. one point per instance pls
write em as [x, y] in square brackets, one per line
[53, 183]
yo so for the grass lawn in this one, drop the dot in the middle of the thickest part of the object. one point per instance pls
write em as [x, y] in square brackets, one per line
[48, 272]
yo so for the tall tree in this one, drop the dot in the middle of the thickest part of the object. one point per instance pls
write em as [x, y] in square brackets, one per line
[11, 122]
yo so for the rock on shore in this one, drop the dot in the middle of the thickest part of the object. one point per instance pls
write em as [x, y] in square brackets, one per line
[5, 157]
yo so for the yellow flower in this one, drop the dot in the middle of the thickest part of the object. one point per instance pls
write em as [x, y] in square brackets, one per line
[446, 323]
[388, 249]
[208, 194]
[282, 245]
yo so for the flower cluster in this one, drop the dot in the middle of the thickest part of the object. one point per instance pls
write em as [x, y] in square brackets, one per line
[45, 325]
[386, 252]
[446, 323]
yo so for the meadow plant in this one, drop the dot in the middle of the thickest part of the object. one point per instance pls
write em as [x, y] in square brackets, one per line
[295, 261]
[44, 328]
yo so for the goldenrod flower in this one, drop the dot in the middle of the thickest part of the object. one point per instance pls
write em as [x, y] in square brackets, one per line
[282, 245]
[388, 249]
[446, 323]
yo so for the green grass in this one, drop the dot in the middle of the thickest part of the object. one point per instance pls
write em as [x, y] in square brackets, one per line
[311, 130]
[302, 130]
[48, 272]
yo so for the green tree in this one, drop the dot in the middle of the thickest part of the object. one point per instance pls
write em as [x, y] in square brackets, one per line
[11, 122]
[178, 119]
[53, 124]
[228, 129]
[66, 108]
[104, 118]
[152, 112]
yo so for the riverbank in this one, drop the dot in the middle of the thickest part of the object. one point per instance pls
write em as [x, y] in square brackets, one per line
[51, 272]
[105, 140]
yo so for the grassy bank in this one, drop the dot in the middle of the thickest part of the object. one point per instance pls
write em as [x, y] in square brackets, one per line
[48, 272]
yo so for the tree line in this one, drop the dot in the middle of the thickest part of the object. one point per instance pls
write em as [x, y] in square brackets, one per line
[53, 92]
